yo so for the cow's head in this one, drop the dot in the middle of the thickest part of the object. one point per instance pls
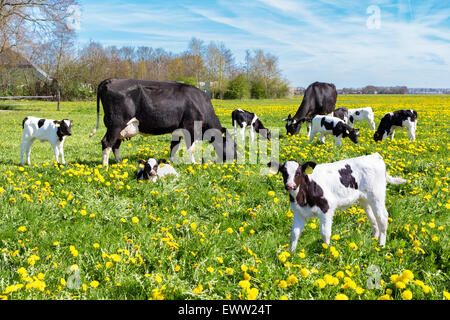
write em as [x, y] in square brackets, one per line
[150, 167]
[352, 134]
[377, 136]
[293, 126]
[64, 127]
[294, 174]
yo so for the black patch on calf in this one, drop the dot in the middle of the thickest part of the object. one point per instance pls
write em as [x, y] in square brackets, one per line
[63, 129]
[357, 113]
[351, 119]
[346, 177]
[309, 192]
[23, 122]
[326, 125]
[41, 122]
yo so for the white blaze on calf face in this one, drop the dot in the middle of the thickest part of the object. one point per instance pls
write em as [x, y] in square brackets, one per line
[291, 168]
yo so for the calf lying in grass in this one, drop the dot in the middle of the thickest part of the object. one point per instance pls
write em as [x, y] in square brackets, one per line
[152, 169]
[53, 131]
[319, 189]
[326, 125]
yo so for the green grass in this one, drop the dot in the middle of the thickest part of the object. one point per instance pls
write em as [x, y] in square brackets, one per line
[193, 237]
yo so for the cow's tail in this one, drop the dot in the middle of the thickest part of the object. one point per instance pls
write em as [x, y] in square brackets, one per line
[394, 180]
[98, 113]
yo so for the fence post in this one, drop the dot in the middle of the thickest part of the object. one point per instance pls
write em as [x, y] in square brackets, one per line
[58, 97]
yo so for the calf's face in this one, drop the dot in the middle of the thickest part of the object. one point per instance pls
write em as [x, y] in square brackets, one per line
[64, 127]
[353, 135]
[294, 174]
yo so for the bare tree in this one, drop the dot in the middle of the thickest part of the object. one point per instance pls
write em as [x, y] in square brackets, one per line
[25, 21]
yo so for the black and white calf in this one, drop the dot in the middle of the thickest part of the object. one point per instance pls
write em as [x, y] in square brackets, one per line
[361, 114]
[317, 190]
[53, 131]
[397, 119]
[152, 169]
[245, 119]
[326, 125]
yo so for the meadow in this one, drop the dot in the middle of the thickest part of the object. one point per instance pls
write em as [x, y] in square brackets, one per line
[219, 231]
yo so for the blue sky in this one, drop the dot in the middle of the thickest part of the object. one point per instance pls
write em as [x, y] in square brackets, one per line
[344, 42]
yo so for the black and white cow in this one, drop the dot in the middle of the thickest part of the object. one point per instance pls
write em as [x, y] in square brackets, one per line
[53, 131]
[317, 190]
[152, 169]
[397, 119]
[361, 114]
[326, 125]
[244, 119]
[319, 98]
[145, 107]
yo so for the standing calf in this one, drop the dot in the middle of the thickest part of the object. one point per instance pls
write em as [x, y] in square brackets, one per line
[326, 125]
[245, 119]
[361, 114]
[53, 131]
[319, 189]
[394, 120]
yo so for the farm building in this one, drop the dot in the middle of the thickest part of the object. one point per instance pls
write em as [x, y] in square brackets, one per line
[20, 77]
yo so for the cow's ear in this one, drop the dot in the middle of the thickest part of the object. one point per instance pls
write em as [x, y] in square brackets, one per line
[288, 118]
[57, 123]
[274, 165]
[308, 167]
[161, 161]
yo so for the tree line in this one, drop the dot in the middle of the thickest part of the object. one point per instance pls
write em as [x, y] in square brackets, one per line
[38, 30]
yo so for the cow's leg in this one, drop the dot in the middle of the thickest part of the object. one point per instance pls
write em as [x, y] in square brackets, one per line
[325, 225]
[372, 124]
[234, 127]
[28, 150]
[60, 147]
[322, 137]
[109, 141]
[244, 125]
[116, 151]
[381, 215]
[391, 134]
[252, 134]
[56, 151]
[337, 140]
[297, 228]
[373, 221]
[23, 148]
[308, 128]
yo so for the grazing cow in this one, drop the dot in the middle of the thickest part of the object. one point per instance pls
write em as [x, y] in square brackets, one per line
[152, 169]
[245, 119]
[394, 120]
[325, 125]
[319, 98]
[53, 131]
[144, 107]
[319, 189]
[361, 114]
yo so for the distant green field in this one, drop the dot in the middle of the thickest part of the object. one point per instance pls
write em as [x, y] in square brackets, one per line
[219, 231]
